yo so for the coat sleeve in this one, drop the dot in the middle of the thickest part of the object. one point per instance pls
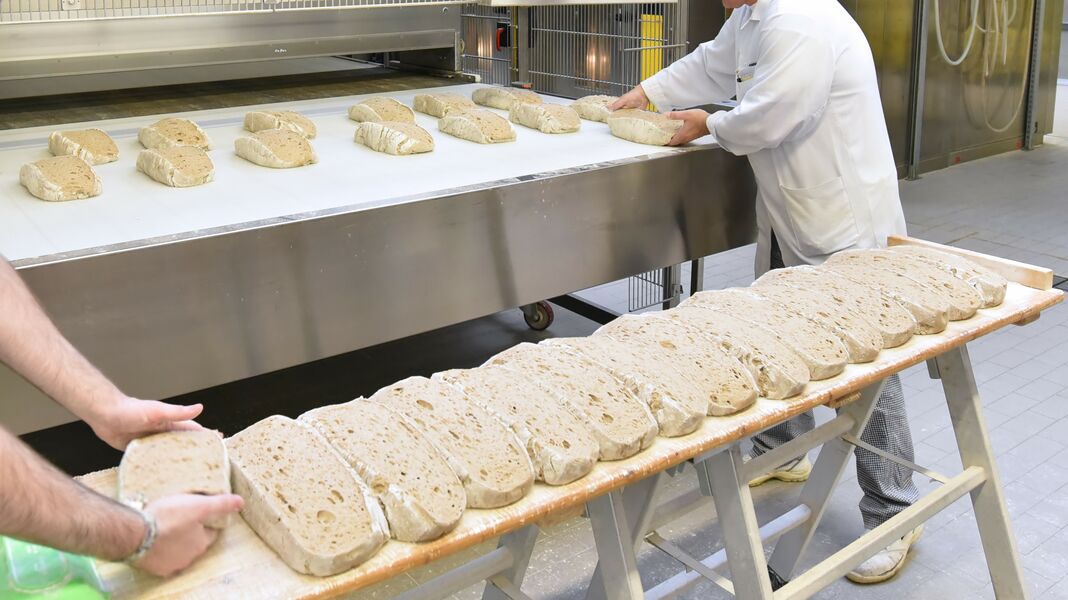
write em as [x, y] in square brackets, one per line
[705, 75]
[788, 94]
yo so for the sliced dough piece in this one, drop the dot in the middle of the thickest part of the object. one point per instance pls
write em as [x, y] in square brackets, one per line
[928, 307]
[181, 166]
[175, 462]
[990, 285]
[964, 301]
[822, 351]
[504, 98]
[260, 120]
[303, 499]
[171, 132]
[778, 371]
[440, 105]
[394, 137]
[594, 108]
[643, 127]
[618, 420]
[381, 108]
[556, 437]
[94, 146]
[546, 118]
[860, 338]
[422, 497]
[482, 451]
[477, 125]
[895, 324]
[60, 178]
[277, 149]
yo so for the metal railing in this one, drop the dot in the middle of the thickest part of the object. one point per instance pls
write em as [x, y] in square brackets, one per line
[484, 53]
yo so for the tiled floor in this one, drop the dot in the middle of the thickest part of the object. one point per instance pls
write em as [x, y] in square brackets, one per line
[1015, 205]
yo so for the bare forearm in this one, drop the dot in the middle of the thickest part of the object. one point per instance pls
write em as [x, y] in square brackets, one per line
[32, 346]
[40, 504]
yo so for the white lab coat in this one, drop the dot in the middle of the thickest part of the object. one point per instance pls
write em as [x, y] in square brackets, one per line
[810, 119]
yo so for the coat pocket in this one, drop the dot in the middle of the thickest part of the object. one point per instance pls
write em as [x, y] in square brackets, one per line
[822, 217]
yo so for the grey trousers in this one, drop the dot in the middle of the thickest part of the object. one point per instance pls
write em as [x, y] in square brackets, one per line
[888, 487]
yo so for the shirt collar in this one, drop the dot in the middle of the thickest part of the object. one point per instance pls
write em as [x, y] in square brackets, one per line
[754, 12]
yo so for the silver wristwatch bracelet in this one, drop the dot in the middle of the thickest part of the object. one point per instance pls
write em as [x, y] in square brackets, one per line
[147, 541]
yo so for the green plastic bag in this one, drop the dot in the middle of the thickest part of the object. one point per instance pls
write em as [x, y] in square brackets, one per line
[30, 571]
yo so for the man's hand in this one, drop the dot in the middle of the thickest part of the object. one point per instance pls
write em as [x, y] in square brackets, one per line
[124, 419]
[635, 98]
[181, 536]
[694, 125]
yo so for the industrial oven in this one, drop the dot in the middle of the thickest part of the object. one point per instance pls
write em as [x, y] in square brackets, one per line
[168, 293]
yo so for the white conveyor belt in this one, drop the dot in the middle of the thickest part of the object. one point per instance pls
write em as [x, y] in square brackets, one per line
[134, 210]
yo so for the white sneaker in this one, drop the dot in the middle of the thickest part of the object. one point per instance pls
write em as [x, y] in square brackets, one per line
[887, 562]
[794, 471]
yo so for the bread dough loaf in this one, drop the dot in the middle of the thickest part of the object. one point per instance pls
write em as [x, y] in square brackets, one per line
[477, 125]
[422, 497]
[319, 525]
[276, 148]
[170, 132]
[504, 98]
[392, 137]
[594, 108]
[381, 108]
[618, 420]
[643, 127]
[556, 437]
[259, 120]
[990, 285]
[175, 462]
[439, 105]
[92, 145]
[60, 178]
[821, 350]
[546, 118]
[482, 451]
[181, 166]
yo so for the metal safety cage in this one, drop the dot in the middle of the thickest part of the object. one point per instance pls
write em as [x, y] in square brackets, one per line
[574, 50]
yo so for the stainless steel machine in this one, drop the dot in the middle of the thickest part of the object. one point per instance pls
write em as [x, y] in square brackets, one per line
[260, 271]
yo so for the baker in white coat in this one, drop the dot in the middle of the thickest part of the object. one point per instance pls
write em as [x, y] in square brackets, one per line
[810, 119]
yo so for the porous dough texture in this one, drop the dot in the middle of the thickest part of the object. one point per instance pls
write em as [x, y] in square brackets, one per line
[504, 98]
[556, 437]
[60, 178]
[440, 105]
[643, 127]
[678, 405]
[894, 323]
[276, 148]
[546, 118]
[422, 497]
[990, 285]
[180, 166]
[172, 131]
[303, 499]
[619, 421]
[92, 145]
[821, 350]
[174, 462]
[381, 108]
[480, 448]
[260, 120]
[594, 108]
[477, 125]
[394, 137]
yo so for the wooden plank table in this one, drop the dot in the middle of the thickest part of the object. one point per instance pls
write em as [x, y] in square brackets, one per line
[240, 565]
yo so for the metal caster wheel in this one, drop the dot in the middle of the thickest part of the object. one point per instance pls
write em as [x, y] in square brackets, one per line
[538, 315]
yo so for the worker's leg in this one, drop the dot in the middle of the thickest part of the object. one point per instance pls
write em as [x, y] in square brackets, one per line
[888, 487]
